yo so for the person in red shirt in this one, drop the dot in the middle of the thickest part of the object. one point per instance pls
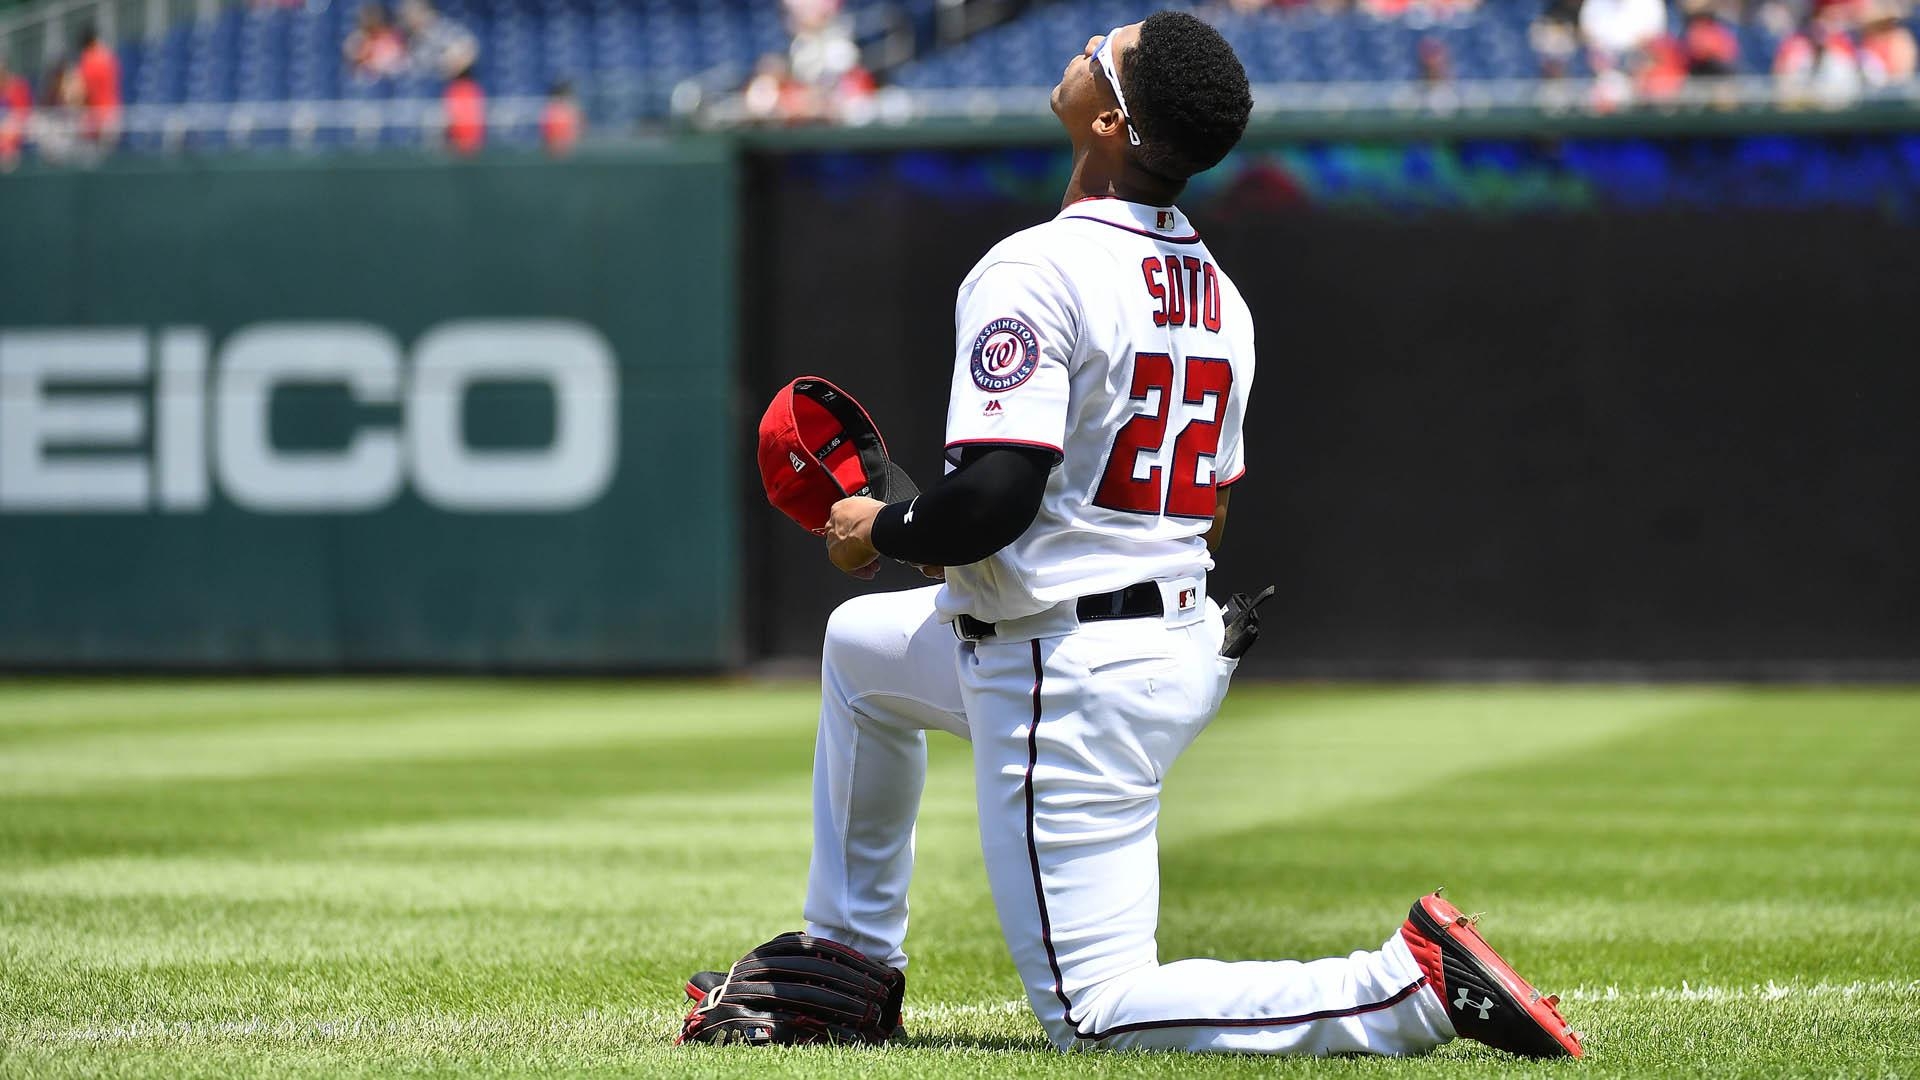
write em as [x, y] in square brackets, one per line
[16, 102]
[466, 106]
[560, 120]
[1663, 70]
[1710, 44]
[100, 74]
[1886, 41]
[1822, 60]
[374, 50]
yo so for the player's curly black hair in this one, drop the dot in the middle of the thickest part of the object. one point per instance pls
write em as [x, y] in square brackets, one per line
[1187, 92]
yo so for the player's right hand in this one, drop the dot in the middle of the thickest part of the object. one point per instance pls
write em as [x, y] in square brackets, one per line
[854, 556]
[849, 537]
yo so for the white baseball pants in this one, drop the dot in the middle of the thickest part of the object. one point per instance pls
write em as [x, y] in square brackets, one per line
[1071, 735]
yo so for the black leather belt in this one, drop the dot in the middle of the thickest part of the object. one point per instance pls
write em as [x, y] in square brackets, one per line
[1137, 601]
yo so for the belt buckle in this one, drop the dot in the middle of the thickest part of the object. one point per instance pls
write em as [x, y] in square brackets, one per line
[967, 628]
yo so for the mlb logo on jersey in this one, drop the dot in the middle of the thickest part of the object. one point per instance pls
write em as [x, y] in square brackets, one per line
[1163, 220]
[1005, 354]
[1189, 599]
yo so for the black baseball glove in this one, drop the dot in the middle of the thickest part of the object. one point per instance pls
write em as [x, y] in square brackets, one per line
[796, 988]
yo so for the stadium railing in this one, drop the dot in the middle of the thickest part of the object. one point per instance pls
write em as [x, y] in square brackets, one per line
[897, 116]
[36, 35]
[1518, 105]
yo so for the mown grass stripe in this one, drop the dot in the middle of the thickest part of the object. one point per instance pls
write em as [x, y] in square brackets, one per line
[1725, 876]
[651, 1023]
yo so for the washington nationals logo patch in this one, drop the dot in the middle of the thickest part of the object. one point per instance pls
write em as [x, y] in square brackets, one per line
[1004, 355]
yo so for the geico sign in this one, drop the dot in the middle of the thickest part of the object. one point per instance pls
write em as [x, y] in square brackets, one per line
[45, 414]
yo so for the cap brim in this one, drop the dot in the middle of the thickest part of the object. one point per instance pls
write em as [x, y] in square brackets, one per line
[893, 484]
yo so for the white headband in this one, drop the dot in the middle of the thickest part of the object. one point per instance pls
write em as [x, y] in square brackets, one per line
[1104, 55]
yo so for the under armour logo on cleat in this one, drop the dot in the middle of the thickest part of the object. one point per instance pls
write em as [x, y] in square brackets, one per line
[1463, 1001]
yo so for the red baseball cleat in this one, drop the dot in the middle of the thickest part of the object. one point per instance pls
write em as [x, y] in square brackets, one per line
[1486, 999]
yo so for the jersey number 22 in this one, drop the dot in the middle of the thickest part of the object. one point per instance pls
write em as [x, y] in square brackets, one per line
[1185, 495]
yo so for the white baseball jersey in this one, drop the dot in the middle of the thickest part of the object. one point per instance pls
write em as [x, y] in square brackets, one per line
[1110, 336]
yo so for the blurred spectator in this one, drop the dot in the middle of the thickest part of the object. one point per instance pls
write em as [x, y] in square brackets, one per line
[823, 48]
[1620, 36]
[1554, 39]
[773, 95]
[466, 106]
[375, 49]
[1820, 64]
[822, 76]
[100, 87]
[15, 91]
[1662, 70]
[1888, 44]
[16, 107]
[437, 45]
[1436, 63]
[1417, 10]
[57, 128]
[61, 88]
[1777, 17]
[1710, 45]
[852, 96]
[560, 120]
[1615, 30]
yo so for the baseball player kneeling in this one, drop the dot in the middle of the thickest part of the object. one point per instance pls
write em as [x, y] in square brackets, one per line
[1101, 373]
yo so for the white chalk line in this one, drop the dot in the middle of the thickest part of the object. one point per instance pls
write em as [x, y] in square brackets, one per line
[1763, 992]
[594, 1024]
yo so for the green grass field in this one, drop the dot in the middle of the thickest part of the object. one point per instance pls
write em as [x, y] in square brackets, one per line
[334, 878]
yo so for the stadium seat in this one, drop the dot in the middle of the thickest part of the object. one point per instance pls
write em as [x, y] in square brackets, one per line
[626, 56]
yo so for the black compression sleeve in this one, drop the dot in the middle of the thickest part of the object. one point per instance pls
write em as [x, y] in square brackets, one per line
[972, 512]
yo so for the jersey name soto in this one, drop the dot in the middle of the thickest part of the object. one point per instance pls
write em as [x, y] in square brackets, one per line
[1186, 290]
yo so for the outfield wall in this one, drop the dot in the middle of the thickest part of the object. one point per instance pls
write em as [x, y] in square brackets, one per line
[1574, 406]
[369, 414]
[1529, 406]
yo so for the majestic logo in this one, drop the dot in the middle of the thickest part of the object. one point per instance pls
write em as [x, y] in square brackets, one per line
[797, 462]
[1004, 355]
[1463, 1001]
[993, 408]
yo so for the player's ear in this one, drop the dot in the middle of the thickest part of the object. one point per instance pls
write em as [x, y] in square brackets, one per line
[1108, 123]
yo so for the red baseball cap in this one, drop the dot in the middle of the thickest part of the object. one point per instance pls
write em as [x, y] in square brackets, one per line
[818, 446]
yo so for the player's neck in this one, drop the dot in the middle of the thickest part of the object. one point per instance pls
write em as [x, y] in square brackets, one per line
[1091, 180]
